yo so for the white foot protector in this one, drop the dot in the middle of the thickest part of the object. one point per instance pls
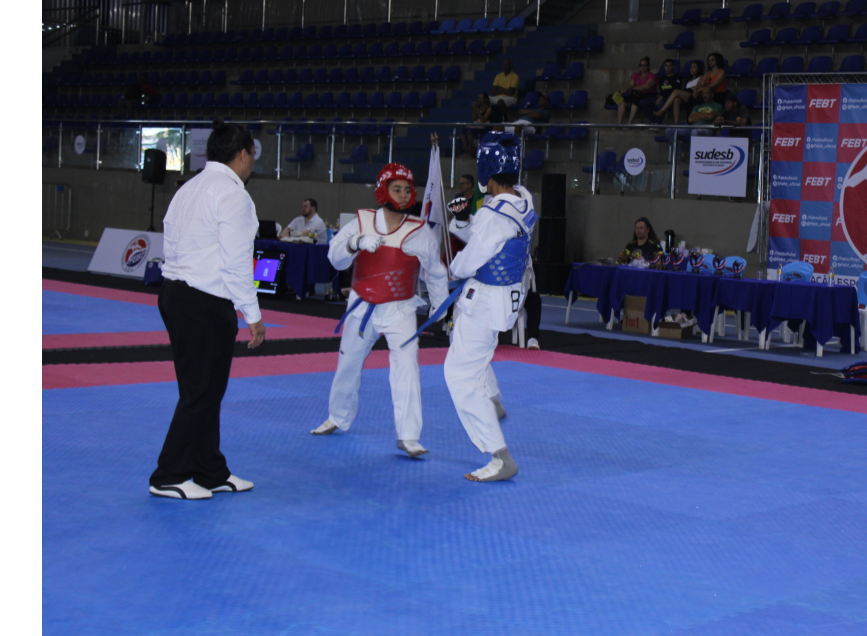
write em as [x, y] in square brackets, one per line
[411, 448]
[187, 490]
[326, 428]
[501, 411]
[532, 343]
[501, 467]
[234, 484]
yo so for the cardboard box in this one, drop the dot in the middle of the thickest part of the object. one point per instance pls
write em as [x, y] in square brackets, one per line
[674, 331]
[633, 315]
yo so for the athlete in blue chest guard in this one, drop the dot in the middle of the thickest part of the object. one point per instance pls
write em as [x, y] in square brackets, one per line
[494, 264]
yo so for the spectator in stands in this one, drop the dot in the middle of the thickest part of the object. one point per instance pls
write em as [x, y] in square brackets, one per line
[734, 114]
[308, 224]
[467, 185]
[715, 78]
[669, 83]
[483, 113]
[705, 114]
[531, 117]
[641, 86]
[505, 88]
[644, 243]
[683, 96]
[136, 95]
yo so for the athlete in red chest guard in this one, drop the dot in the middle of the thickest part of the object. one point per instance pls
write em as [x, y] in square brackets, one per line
[389, 250]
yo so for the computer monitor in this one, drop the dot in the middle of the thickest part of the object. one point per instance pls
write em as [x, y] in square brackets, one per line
[269, 275]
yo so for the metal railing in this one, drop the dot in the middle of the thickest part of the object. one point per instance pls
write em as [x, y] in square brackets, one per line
[120, 145]
[56, 208]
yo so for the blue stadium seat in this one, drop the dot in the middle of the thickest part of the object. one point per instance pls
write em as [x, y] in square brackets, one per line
[778, 11]
[415, 28]
[275, 76]
[206, 56]
[435, 74]
[246, 77]
[392, 49]
[550, 72]
[219, 55]
[417, 74]
[305, 76]
[326, 101]
[219, 78]
[281, 34]
[810, 35]
[320, 76]
[593, 44]
[311, 102]
[222, 101]
[359, 51]
[577, 100]
[263, 77]
[351, 76]
[290, 76]
[575, 71]
[300, 52]
[758, 38]
[358, 155]
[837, 34]
[464, 26]
[237, 100]
[209, 101]
[281, 101]
[180, 57]
[860, 36]
[573, 44]
[766, 66]
[258, 54]
[605, 162]
[367, 75]
[376, 50]
[452, 74]
[308, 33]
[251, 101]
[820, 64]
[685, 40]
[494, 47]
[557, 100]
[427, 100]
[826, 11]
[533, 160]
[792, 65]
[353, 31]
[446, 26]
[803, 11]
[784, 37]
[268, 35]
[476, 47]
[400, 74]
[296, 100]
[286, 52]
[359, 100]
[458, 48]
[853, 8]
[514, 25]
[335, 76]
[410, 101]
[231, 55]
[407, 50]
[324, 33]
[497, 25]
[242, 35]
[195, 101]
[267, 101]
[304, 153]
[384, 30]
[244, 54]
[315, 52]
[399, 30]
[425, 49]
[383, 74]
[393, 100]
[690, 17]
[751, 13]
[441, 48]
[376, 100]
[852, 64]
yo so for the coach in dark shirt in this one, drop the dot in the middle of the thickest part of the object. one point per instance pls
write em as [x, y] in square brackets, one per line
[644, 242]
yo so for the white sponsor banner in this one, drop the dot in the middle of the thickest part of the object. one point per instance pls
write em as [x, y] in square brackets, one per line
[125, 252]
[198, 148]
[718, 166]
[634, 161]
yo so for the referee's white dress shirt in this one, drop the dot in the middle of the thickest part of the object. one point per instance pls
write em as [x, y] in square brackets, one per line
[208, 238]
[315, 224]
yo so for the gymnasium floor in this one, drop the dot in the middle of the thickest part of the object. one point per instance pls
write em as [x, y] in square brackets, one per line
[662, 490]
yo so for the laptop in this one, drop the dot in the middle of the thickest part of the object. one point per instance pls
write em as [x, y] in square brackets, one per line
[267, 230]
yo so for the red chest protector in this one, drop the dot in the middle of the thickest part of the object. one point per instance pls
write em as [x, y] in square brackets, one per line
[389, 274]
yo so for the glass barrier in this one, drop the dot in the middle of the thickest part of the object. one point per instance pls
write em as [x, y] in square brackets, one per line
[593, 156]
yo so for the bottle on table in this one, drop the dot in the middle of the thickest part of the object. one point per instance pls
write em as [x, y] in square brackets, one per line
[780, 271]
[831, 278]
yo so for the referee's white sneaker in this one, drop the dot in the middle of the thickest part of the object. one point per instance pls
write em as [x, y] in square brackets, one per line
[187, 490]
[532, 343]
[234, 484]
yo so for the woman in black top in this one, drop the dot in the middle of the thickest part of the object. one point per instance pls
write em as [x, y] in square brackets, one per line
[644, 240]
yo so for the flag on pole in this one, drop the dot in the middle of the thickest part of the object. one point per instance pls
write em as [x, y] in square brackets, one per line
[432, 203]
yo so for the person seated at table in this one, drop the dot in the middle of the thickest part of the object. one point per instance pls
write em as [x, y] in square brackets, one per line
[308, 224]
[644, 243]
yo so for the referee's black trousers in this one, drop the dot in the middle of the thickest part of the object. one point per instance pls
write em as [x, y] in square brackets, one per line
[202, 329]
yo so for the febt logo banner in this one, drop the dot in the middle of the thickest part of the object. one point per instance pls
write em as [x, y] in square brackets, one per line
[718, 166]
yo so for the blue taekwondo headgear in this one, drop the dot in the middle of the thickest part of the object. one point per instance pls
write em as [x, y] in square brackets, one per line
[499, 153]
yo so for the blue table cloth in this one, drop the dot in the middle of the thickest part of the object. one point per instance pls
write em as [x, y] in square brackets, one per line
[305, 264]
[748, 295]
[822, 307]
[593, 281]
[691, 292]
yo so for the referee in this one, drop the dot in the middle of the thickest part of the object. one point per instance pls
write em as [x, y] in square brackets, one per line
[208, 244]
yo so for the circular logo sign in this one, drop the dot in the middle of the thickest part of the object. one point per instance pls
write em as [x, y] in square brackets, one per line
[853, 205]
[258, 149]
[79, 145]
[634, 161]
[135, 253]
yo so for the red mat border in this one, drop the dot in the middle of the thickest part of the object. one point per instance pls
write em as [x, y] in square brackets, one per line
[91, 375]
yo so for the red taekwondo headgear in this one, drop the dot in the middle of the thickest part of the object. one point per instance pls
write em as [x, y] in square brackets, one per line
[393, 172]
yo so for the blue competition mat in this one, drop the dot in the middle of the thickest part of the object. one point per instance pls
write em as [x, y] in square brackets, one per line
[70, 313]
[639, 509]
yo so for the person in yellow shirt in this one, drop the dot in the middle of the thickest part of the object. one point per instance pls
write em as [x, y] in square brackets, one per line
[505, 89]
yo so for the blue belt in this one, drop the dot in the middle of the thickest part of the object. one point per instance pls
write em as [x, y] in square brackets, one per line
[364, 321]
[441, 310]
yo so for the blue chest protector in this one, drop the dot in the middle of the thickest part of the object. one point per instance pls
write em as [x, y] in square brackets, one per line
[508, 266]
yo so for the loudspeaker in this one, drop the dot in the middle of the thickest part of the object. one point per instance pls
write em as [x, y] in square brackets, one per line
[552, 240]
[154, 168]
[553, 195]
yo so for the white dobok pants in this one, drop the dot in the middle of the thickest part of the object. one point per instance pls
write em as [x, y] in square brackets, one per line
[471, 379]
[403, 374]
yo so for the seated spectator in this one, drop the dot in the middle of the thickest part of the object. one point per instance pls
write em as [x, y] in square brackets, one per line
[505, 88]
[683, 96]
[641, 86]
[669, 83]
[308, 224]
[705, 113]
[734, 114]
[532, 117]
[644, 243]
[140, 93]
[715, 77]
[483, 113]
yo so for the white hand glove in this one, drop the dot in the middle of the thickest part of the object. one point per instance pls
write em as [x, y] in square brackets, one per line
[365, 242]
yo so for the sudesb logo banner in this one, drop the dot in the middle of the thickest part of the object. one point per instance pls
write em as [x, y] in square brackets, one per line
[718, 166]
